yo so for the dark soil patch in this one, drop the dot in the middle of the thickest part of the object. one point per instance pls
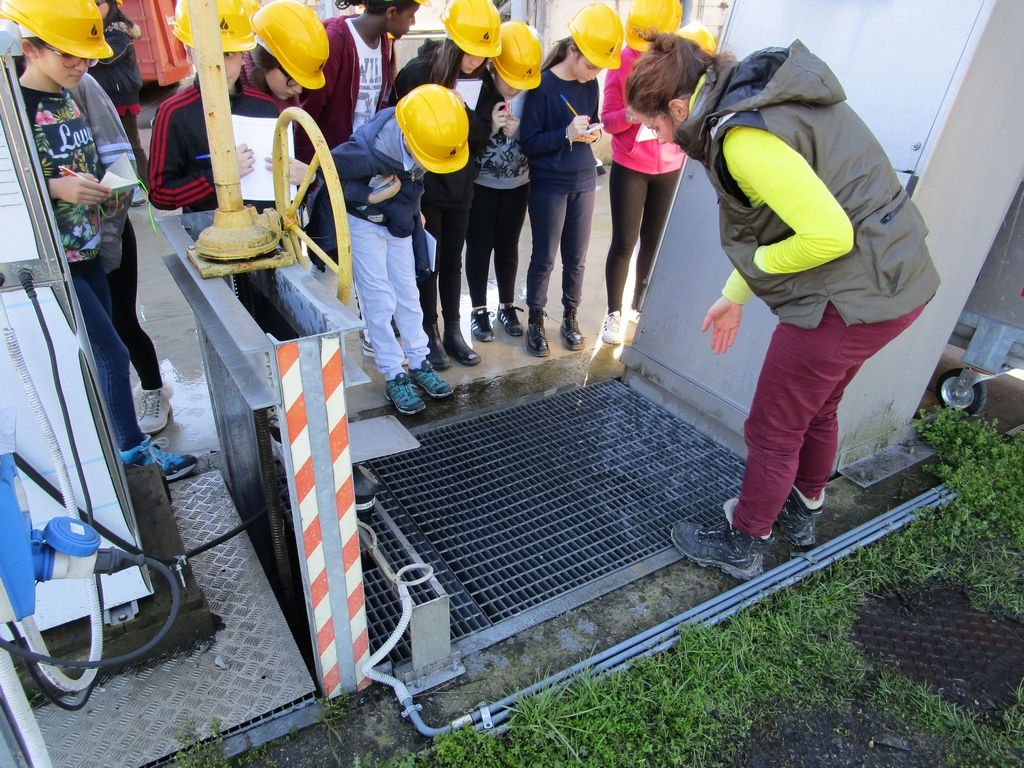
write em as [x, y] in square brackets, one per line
[937, 638]
[853, 737]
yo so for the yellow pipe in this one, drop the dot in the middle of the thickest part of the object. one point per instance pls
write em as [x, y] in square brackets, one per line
[213, 86]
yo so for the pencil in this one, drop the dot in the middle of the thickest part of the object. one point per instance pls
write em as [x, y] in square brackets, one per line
[577, 114]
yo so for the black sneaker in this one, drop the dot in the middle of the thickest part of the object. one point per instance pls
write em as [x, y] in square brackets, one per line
[509, 318]
[536, 337]
[480, 322]
[796, 520]
[730, 549]
[569, 330]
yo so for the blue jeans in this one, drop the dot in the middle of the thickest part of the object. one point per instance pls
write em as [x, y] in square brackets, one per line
[109, 351]
[557, 218]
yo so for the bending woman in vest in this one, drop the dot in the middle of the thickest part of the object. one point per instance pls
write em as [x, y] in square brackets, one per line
[817, 226]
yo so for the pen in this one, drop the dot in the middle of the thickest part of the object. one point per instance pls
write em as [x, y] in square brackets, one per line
[202, 157]
[381, 188]
[577, 114]
[64, 171]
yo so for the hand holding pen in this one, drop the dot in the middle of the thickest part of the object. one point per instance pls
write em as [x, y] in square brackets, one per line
[388, 188]
[78, 188]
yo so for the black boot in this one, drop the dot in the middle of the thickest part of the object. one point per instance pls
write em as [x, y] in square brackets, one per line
[456, 346]
[480, 321]
[729, 548]
[509, 318]
[569, 330]
[436, 354]
[536, 338]
[796, 520]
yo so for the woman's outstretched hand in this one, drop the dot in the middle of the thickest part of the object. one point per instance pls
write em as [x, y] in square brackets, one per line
[724, 320]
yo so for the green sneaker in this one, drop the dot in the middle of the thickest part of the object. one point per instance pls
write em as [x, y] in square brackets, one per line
[401, 392]
[426, 378]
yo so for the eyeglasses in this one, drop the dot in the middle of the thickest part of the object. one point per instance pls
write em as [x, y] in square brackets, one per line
[69, 61]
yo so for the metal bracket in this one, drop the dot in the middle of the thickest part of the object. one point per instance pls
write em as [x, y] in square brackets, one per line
[485, 717]
[121, 614]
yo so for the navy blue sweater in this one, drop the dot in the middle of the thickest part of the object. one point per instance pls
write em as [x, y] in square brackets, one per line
[556, 165]
[358, 160]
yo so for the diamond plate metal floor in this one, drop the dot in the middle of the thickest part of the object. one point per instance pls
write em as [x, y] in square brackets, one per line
[131, 719]
[558, 498]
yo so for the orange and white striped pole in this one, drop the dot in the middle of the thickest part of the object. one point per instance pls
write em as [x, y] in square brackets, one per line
[319, 468]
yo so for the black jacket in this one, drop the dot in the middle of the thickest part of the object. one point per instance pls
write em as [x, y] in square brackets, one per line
[453, 191]
[119, 75]
[180, 173]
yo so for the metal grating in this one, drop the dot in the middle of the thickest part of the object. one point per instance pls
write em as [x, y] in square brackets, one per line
[945, 643]
[528, 503]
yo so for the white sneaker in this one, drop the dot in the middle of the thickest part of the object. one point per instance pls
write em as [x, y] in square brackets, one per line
[612, 333]
[152, 407]
[367, 344]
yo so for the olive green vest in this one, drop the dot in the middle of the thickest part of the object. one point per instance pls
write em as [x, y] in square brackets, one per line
[889, 271]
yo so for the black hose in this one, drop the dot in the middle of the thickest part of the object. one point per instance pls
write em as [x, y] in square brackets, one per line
[117, 661]
[50, 694]
[47, 487]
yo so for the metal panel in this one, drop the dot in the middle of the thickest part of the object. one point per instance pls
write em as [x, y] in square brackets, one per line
[896, 59]
[999, 292]
[132, 718]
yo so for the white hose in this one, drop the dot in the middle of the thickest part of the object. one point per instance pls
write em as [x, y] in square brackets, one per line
[21, 712]
[56, 677]
[30, 631]
[403, 592]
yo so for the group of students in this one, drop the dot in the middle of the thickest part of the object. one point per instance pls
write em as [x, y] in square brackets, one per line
[529, 120]
[482, 130]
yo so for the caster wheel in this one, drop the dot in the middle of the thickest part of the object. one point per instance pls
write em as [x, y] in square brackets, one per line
[972, 402]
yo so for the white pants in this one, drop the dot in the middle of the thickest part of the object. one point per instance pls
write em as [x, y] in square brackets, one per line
[384, 271]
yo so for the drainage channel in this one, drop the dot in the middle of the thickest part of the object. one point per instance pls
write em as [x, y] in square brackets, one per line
[530, 511]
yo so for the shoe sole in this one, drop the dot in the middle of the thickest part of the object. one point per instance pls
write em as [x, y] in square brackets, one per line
[469, 364]
[423, 389]
[538, 352]
[180, 473]
[807, 541]
[484, 339]
[570, 347]
[400, 409]
[612, 342]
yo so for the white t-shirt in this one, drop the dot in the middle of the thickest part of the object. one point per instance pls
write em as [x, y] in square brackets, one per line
[371, 78]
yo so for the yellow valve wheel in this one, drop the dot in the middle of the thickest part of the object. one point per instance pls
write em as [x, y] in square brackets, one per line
[292, 233]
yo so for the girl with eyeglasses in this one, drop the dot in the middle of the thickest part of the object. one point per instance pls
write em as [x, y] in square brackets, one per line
[58, 47]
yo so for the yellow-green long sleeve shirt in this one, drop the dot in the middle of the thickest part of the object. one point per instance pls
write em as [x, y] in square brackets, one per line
[770, 172]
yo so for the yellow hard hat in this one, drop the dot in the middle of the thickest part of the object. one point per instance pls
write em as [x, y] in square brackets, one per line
[520, 57]
[436, 128]
[699, 34]
[74, 27]
[296, 37]
[597, 32]
[235, 28]
[648, 18]
[474, 25]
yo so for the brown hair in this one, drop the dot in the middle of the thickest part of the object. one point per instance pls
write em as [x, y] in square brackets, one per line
[446, 63]
[559, 53]
[264, 62]
[670, 69]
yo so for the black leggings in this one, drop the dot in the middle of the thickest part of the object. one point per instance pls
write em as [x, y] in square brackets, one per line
[449, 228]
[124, 286]
[495, 223]
[639, 203]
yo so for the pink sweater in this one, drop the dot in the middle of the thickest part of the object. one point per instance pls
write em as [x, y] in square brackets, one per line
[644, 156]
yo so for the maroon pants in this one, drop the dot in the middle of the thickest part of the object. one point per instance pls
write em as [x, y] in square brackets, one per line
[792, 433]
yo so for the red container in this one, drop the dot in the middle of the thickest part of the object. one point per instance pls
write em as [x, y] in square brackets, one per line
[160, 54]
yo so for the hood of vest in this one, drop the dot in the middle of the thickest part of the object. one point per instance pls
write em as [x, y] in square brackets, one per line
[764, 78]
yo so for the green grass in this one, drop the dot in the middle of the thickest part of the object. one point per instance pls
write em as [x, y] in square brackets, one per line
[693, 705]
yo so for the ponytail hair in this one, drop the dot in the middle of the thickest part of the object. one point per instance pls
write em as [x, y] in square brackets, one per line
[559, 53]
[669, 69]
